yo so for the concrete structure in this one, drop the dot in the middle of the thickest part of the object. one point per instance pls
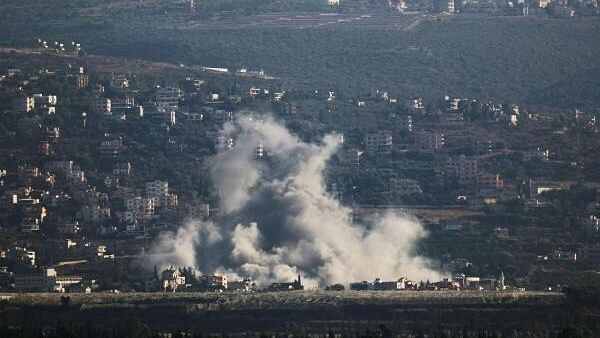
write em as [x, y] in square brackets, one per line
[101, 106]
[463, 169]
[23, 104]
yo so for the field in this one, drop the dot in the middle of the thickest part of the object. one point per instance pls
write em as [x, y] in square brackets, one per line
[304, 311]
[261, 300]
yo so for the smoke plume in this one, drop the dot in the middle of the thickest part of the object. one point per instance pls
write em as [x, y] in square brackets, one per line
[276, 219]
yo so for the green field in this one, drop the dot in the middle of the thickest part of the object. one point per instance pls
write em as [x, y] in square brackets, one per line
[402, 313]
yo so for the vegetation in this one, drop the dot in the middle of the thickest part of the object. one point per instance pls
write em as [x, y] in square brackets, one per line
[526, 59]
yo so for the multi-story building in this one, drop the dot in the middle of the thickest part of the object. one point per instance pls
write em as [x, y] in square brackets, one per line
[101, 106]
[82, 81]
[430, 140]
[122, 169]
[167, 99]
[463, 169]
[157, 188]
[490, 181]
[23, 104]
[380, 141]
[404, 186]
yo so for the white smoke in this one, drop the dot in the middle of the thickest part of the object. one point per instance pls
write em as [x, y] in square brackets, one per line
[276, 219]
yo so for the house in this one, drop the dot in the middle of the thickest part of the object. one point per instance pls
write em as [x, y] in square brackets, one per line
[361, 286]
[172, 279]
[45, 103]
[23, 255]
[215, 282]
[417, 104]
[502, 233]
[400, 284]
[245, 284]
[295, 285]
[445, 284]
[111, 144]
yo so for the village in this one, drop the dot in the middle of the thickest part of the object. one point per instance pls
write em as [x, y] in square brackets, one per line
[97, 163]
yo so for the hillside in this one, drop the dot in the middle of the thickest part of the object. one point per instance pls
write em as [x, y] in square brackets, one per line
[510, 58]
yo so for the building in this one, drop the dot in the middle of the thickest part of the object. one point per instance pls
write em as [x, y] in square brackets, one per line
[140, 207]
[120, 105]
[122, 169]
[245, 284]
[350, 157]
[430, 140]
[490, 181]
[45, 103]
[380, 141]
[400, 284]
[44, 280]
[159, 192]
[462, 169]
[167, 99]
[416, 104]
[537, 154]
[403, 123]
[35, 281]
[23, 255]
[101, 106]
[23, 104]
[544, 3]
[361, 286]
[82, 81]
[218, 282]
[172, 279]
[119, 81]
[404, 186]
[295, 285]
